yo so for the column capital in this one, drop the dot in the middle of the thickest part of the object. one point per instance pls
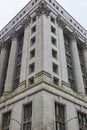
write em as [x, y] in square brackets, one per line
[60, 22]
[26, 22]
[14, 35]
[74, 36]
[43, 9]
[85, 46]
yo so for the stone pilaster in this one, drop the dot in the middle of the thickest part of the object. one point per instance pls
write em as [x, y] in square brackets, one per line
[76, 65]
[11, 65]
[24, 62]
[3, 57]
[85, 55]
[64, 75]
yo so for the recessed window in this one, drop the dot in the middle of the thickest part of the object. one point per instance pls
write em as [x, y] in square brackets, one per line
[33, 29]
[33, 41]
[57, 7]
[52, 19]
[32, 53]
[54, 4]
[35, 0]
[31, 81]
[60, 116]
[31, 68]
[27, 116]
[53, 41]
[6, 121]
[55, 68]
[82, 119]
[54, 53]
[50, 1]
[55, 80]
[71, 20]
[32, 3]
[53, 30]
[33, 19]
[61, 12]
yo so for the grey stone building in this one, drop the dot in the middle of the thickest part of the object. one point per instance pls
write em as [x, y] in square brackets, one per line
[43, 70]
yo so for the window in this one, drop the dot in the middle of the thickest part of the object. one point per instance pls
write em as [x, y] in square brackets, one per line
[31, 68]
[54, 53]
[32, 53]
[33, 29]
[55, 68]
[31, 81]
[33, 19]
[55, 80]
[69, 62]
[53, 30]
[27, 117]
[53, 40]
[82, 119]
[33, 41]
[59, 117]
[52, 19]
[6, 121]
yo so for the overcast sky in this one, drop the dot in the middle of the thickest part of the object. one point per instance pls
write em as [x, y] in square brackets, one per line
[77, 8]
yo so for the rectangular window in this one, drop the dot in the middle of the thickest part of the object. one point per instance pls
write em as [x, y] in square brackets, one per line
[31, 81]
[53, 41]
[27, 117]
[6, 121]
[33, 41]
[32, 53]
[33, 19]
[31, 68]
[52, 19]
[82, 119]
[59, 116]
[55, 80]
[55, 68]
[53, 30]
[33, 29]
[54, 53]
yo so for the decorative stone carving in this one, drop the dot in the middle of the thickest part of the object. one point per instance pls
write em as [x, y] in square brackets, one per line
[14, 34]
[74, 36]
[43, 9]
[60, 21]
[27, 21]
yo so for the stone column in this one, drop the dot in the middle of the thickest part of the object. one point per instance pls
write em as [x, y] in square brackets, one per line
[24, 62]
[3, 57]
[76, 65]
[85, 55]
[11, 65]
[63, 64]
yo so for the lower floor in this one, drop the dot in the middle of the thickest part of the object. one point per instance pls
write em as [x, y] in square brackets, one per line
[43, 108]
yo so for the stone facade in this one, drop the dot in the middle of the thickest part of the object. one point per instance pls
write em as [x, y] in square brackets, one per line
[41, 64]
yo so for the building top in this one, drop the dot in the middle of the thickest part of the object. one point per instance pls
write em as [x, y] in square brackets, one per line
[53, 5]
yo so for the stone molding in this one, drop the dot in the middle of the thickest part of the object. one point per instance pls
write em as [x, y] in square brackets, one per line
[43, 9]
[74, 36]
[60, 22]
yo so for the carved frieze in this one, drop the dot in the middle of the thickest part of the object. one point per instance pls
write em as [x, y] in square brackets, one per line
[43, 9]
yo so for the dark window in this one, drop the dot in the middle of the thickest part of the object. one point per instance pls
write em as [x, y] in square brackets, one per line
[53, 40]
[82, 119]
[53, 30]
[6, 121]
[33, 29]
[82, 64]
[55, 68]
[54, 53]
[69, 62]
[59, 117]
[31, 68]
[32, 53]
[52, 19]
[27, 117]
[31, 81]
[33, 41]
[55, 80]
[33, 19]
